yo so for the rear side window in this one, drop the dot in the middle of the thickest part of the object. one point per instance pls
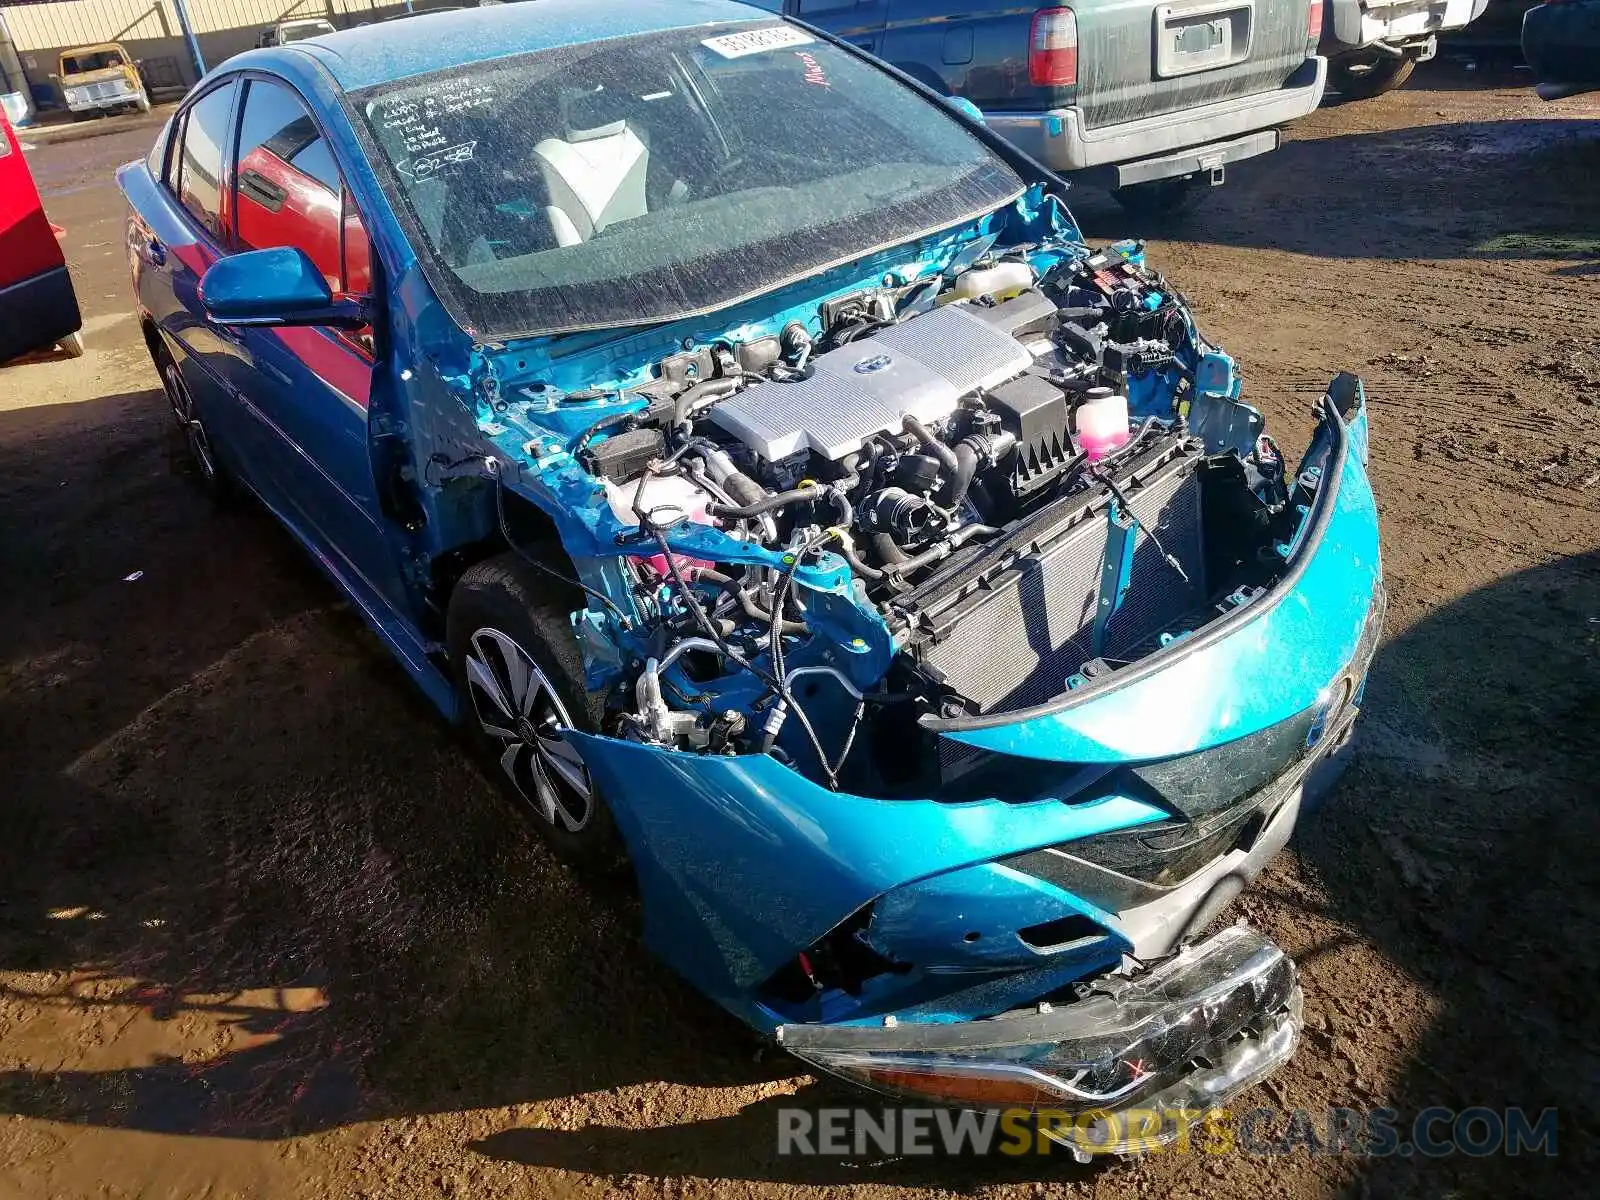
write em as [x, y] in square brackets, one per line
[205, 133]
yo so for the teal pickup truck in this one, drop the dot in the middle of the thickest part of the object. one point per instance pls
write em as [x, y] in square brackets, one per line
[1152, 99]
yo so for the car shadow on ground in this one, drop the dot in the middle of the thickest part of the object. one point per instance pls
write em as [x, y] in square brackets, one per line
[1482, 190]
[237, 842]
[235, 826]
[1461, 845]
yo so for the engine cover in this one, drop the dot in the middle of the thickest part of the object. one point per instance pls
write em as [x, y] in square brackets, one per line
[921, 368]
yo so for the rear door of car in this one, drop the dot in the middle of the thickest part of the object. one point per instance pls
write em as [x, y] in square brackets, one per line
[178, 245]
[308, 387]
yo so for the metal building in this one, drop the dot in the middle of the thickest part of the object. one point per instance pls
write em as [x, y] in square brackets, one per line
[152, 32]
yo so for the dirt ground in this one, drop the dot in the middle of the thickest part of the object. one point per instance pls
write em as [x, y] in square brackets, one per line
[261, 935]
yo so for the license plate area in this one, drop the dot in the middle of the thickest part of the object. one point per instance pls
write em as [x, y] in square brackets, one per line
[1193, 38]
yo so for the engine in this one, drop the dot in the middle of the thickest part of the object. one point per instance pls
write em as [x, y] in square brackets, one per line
[954, 451]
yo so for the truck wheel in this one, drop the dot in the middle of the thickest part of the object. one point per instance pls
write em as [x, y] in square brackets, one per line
[1161, 198]
[1361, 77]
[519, 674]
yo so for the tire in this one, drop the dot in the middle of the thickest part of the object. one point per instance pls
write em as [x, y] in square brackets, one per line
[519, 674]
[1162, 198]
[1361, 77]
[72, 344]
[206, 467]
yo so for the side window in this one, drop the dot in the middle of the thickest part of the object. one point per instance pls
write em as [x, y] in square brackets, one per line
[289, 188]
[290, 193]
[205, 133]
[156, 160]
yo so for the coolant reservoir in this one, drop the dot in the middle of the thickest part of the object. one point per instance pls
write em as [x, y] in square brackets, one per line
[667, 498]
[1102, 421]
[1001, 281]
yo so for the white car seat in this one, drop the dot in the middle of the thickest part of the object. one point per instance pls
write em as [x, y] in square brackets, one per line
[595, 177]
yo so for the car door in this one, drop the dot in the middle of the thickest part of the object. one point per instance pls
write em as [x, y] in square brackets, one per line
[308, 388]
[859, 22]
[176, 257]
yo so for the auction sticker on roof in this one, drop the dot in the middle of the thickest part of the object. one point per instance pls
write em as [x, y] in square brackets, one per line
[756, 41]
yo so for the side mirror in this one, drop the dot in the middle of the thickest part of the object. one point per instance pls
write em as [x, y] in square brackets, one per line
[54, 78]
[966, 108]
[280, 286]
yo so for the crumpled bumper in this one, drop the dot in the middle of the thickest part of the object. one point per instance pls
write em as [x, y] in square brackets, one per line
[745, 866]
[1167, 1043]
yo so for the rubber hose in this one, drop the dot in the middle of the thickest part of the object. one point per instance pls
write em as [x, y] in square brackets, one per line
[686, 400]
[887, 549]
[941, 549]
[945, 455]
[857, 564]
[955, 488]
[768, 503]
[747, 603]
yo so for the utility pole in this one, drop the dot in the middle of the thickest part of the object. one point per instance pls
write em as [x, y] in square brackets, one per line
[188, 33]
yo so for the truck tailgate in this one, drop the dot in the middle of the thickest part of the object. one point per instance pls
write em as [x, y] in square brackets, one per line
[1138, 59]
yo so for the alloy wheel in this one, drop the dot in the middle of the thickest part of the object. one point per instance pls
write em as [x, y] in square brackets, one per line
[517, 708]
[184, 413]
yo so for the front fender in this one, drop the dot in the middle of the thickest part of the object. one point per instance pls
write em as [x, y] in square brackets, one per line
[741, 861]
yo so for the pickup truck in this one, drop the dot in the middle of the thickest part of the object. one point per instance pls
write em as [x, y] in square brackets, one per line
[1151, 99]
[1372, 46]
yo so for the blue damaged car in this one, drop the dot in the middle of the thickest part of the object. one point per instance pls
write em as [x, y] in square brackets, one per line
[741, 443]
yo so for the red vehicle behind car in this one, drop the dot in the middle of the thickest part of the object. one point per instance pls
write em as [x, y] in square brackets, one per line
[38, 307]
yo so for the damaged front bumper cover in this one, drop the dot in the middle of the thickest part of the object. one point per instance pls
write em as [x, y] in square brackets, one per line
[1170, 1043]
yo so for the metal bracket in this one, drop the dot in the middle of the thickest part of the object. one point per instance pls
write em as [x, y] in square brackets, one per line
[1116, 570]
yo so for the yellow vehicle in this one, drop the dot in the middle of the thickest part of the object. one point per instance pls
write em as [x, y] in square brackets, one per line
[94, 79]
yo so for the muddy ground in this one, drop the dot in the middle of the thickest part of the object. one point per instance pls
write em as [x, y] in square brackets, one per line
[262, 935]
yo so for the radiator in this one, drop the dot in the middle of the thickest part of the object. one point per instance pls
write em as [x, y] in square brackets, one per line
[1011, 638]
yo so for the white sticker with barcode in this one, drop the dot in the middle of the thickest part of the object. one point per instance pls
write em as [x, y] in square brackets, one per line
[758, 41]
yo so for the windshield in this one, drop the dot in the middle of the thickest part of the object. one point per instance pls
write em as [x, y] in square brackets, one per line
[99, 60]
[300, 30]
[651, 177]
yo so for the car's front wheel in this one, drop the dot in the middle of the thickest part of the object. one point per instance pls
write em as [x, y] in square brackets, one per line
[519, 674]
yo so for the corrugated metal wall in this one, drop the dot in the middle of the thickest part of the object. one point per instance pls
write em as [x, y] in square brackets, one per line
[79, 22]
[151, 31]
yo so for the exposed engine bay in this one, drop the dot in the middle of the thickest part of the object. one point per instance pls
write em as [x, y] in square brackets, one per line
[1014, 480]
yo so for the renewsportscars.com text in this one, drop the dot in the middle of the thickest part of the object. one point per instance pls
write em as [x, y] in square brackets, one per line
[1375, 1133]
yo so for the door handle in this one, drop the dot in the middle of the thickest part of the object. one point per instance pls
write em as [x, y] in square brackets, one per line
[153, 252]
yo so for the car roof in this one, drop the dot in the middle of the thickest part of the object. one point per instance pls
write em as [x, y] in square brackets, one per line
[373, 54]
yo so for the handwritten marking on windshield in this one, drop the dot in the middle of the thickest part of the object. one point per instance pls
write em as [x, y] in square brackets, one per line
[425, 166]
[814, 72]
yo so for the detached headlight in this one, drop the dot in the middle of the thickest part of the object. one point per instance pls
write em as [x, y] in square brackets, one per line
[1178, 1038]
